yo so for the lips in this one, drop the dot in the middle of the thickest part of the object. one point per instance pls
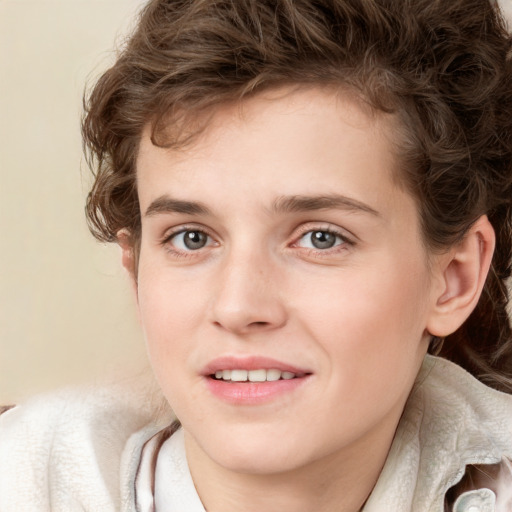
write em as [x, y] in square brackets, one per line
[252, 380]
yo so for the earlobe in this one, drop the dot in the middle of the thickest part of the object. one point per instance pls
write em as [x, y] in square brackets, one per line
[462, 271]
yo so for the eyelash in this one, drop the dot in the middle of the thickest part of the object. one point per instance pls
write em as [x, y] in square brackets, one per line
[345, 241]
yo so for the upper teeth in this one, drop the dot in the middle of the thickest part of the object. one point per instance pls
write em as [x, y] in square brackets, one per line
[253, 375]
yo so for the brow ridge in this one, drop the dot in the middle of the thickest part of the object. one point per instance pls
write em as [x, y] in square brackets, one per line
[284, 204]
[166, 204]
[300, 203]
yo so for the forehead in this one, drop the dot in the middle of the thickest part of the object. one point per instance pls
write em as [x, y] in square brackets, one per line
[281, 142]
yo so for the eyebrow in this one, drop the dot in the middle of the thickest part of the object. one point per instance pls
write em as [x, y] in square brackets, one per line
[289, 204]
[166, 204]
[285, 204]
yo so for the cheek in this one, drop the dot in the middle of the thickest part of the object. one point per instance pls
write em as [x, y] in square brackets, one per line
[365, 299]
[168, 313]
[373, 317]
[166, 296]
[167, 309]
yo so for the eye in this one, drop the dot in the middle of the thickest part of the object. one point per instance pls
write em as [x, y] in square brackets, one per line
[320, 239]
[189, 240]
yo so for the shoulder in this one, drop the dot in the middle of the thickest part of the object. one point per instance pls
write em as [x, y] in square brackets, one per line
[62, 416]
[464, 424]
[451, 421]
[454, 399]
[63, 451]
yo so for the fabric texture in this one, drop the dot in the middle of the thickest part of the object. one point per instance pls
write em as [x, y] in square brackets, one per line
[73, 451]
[82, 451]
[450, 421]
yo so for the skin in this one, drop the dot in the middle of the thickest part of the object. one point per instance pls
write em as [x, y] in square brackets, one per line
[357, 315]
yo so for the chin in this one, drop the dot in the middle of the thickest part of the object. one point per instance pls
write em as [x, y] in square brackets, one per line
[258, 463]
[253, 453]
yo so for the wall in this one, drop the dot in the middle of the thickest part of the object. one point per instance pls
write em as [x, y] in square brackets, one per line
[66, 310]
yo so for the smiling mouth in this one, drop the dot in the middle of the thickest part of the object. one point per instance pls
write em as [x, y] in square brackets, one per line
[253, 381]
[260, 375]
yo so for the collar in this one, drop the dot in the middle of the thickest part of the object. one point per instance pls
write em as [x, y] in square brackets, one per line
[451, 420]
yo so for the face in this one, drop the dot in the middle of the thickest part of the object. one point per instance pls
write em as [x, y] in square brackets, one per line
[283, 286]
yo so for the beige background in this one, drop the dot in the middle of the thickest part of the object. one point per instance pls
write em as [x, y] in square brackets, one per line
[66, 311]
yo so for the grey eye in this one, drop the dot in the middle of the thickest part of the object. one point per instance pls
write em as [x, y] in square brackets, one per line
[190, 240]
[323, 239]
[320, 240]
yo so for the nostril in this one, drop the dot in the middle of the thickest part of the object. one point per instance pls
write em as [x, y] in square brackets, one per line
[258, 324]
[243, 328]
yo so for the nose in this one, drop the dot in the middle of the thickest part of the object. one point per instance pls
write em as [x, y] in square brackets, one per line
[248, 295]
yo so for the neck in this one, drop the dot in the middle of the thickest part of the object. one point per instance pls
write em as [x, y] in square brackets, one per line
[340, 482]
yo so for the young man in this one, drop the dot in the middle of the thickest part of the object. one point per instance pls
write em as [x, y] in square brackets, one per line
[308, 196]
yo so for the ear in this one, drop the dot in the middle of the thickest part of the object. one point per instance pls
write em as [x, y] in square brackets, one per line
[462, 273]
[128, 259]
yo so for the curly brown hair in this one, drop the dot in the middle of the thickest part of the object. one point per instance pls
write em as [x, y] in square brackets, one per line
[444, 68]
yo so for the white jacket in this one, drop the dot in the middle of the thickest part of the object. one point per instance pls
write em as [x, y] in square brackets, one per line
[80, 451]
